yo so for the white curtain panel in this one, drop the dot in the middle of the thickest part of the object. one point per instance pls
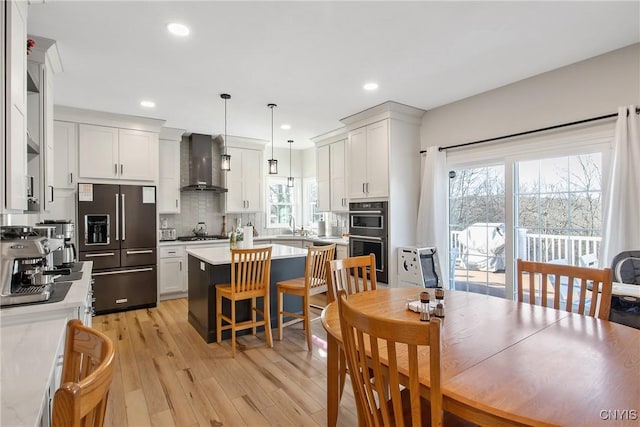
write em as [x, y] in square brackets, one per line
[432, 212]
[621, 204]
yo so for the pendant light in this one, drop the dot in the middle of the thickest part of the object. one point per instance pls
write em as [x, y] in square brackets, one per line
[273, 163]
[290, 178]
[225, 159]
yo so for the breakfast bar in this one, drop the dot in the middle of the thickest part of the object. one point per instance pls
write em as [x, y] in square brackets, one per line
[211, 266]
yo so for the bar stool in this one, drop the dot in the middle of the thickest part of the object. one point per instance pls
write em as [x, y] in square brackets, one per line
[314, 282]
[250, 273]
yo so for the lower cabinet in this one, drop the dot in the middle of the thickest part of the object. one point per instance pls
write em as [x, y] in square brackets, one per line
[173, 272]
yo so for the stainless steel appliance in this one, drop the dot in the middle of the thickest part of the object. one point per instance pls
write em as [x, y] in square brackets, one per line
[66, 256]
[117, 231]
[368, 233]
[419, 266]
[23, 263]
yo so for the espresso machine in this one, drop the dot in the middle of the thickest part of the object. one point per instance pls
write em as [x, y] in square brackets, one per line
[66, 256]
[24, 277]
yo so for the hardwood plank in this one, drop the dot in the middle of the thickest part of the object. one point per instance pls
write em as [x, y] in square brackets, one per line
[137, 414]
[166, 375]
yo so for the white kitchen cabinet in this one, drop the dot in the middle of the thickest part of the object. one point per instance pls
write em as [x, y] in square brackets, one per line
[172, 270]
[15, 107]
[112, 153]
[323, 173]
[169, 181]
[244, 180]
[368, 154]
[65, 135]
[339, 200]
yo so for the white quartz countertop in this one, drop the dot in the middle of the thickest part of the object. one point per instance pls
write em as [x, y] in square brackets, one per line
[222, 255]
[75, 298]
[28, 360]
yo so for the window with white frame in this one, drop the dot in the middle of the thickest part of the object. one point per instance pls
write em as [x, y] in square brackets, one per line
[310, 214]
[280, 202]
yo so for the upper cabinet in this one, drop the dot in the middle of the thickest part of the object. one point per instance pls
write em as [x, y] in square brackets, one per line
[14, 150]
[169, 182]
[330, 171]
[368, 154]
[65, 135]
[244, 180]
[337, 154]
[323, 172]
[111, 153]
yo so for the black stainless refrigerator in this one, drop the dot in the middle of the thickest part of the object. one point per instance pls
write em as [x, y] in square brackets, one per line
[117, 231]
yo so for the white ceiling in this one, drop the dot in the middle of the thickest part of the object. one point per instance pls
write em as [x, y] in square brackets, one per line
[311, 58]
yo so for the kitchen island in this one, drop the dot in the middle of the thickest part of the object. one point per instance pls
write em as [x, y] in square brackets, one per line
[211, 266]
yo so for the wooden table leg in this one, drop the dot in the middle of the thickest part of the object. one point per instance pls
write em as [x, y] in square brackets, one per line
[333, 391]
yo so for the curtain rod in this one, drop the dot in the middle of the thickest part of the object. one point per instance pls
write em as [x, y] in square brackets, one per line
[608, 116]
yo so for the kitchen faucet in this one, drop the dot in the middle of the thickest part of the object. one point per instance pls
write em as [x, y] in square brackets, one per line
[292, 224]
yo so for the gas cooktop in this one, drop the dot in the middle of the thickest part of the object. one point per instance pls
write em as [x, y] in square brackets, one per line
[198, 238]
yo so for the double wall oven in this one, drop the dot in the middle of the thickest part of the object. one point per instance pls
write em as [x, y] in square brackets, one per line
[368, 233]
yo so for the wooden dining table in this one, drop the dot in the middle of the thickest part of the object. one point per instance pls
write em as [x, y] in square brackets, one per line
[510, 363]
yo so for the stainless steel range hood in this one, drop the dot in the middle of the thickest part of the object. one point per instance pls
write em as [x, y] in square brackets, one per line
[201, 165]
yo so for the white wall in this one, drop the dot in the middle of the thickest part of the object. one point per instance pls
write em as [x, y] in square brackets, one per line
[590, 88]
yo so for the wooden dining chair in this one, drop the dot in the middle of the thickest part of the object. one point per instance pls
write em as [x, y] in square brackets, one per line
[372, 345]
[87, 371]
[250, 275]
[314, 282]
[354, 274]
[569, 285]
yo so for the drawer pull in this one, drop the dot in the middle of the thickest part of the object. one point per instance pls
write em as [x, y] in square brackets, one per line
[121, 301]
[99, 255]
[108, 273]
[147, 251]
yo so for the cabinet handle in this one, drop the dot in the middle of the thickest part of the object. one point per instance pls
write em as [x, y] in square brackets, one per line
[121, 168]
[115, 166]
[367, 188]
[71, 177]
[176, 203]
[363, 188]
[99, 255]
[147, 251]
[180, 265]
[51, 187]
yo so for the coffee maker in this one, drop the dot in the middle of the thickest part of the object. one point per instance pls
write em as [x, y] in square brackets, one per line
[23, 274]
[66, 256]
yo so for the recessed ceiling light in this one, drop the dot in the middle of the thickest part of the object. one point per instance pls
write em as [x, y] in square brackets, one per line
[285, 127]
[148, 104]
[178, 29]
[370, 86]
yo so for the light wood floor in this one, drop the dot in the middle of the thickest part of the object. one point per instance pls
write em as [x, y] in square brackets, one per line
[165, 374]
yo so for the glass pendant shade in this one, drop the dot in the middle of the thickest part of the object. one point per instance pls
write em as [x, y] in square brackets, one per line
[273, 163]
[273, 166]
[225, 159]
[225, 162]
[290, 181]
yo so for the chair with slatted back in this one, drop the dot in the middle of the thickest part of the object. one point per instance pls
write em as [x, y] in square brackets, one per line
[371, 344]
[314, 282]
[250, 275]
[87, 372]
[574, 298]
[353, 274]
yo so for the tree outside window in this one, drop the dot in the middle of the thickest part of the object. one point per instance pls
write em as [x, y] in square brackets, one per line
[280, 203]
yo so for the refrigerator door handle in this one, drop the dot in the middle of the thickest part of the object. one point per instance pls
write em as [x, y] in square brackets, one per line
[147, 251]
[136, 270]
[124, 218]
[117, 218]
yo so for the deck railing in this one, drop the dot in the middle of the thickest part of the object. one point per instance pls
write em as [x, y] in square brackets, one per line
[542, 247]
